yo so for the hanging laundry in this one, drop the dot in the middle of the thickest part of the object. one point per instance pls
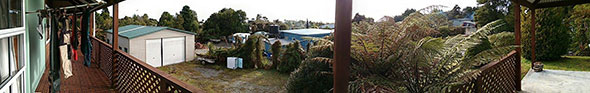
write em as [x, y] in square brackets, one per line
[54, 75]
[86, 43]
[63, 50]
[66, 63]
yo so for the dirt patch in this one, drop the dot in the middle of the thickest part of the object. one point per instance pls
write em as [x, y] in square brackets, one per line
[217, 79]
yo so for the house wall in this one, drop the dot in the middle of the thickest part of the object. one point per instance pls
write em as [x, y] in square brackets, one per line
[34, 45]
[138, 44]
[123, 42]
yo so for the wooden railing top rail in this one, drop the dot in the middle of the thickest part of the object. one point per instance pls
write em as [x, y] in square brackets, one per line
[160, 74]
[102, 42]
[489, 65]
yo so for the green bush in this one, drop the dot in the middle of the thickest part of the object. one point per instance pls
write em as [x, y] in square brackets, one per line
[291, 58]
[313, 76]
[483, 44]
[583, 52]
[449, 31]
[502, 39]
[552, 37]
[251, 52]
[276, 54]
[220, 54]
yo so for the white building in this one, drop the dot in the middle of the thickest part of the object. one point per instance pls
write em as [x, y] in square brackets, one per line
[157, 46]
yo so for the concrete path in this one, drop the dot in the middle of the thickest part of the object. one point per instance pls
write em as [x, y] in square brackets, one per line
[556, 81]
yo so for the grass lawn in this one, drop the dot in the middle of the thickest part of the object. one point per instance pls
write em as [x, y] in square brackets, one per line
[568, 63]
[218, 79]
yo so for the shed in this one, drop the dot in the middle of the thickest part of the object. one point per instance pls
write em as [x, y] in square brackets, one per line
[157, 46]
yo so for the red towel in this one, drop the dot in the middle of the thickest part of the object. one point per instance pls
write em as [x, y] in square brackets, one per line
[75, 54]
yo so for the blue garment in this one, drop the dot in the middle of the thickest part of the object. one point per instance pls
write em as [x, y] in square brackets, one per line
[86, 43]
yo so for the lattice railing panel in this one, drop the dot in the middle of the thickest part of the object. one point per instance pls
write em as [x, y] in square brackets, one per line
[499, 78]
[103, 56]
[496, 77]
[134, 78]
[133, 75]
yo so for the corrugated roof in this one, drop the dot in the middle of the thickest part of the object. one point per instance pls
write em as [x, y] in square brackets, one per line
[133, 31]
[308, 31]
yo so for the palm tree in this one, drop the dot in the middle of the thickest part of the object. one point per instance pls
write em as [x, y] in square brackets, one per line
[389, 57]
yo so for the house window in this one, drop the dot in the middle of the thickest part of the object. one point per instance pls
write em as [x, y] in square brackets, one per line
[11, 14]
[11, 46]
[11, 64]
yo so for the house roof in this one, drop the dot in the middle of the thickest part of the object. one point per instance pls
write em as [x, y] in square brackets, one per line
[283, 41]
[308, 31]
[133, 31]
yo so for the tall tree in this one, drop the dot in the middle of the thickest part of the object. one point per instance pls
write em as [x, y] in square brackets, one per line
[579, 21]
[467, 11]
[455, 13]
[166, 20]
[404, 15]
[104, 20]
[143, 20]
[491, 10]
[551, 33]
[224, 23]
[179, 21]
[358, 18]
[189, 16]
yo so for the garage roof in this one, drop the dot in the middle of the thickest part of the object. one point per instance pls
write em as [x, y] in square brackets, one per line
[308, 31]
[133, 31]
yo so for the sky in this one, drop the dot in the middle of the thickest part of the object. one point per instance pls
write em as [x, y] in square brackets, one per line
[314, 10]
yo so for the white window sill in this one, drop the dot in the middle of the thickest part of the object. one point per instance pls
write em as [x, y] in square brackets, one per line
[11, 32]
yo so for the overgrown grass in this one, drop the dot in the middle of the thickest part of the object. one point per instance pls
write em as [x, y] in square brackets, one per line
[568, 63]
[227, 80]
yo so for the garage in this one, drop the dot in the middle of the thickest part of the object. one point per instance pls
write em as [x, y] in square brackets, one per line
[165, 51]
[154, 57]
[156, 46]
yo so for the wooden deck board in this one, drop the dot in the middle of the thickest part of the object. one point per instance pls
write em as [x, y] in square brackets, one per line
[85, 79]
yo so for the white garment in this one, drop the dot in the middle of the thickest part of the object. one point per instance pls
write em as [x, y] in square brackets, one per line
[66, 38]
[66, 64]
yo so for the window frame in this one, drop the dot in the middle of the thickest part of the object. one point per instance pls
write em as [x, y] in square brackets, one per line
[18, 75]
[23, 21]
[7, 32]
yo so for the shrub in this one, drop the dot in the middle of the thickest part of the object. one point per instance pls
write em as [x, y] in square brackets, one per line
[450, 31]
[583, 52]
[552, 38]
[251, 52]
[313, 76]
[502, 39]
[483, 44]
[276, 54]
[220, 54]
[291, 58]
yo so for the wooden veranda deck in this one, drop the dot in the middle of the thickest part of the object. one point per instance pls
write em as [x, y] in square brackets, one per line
[85, 79]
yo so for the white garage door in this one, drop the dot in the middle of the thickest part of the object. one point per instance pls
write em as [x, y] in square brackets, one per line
[153, 51]
[173, 50]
